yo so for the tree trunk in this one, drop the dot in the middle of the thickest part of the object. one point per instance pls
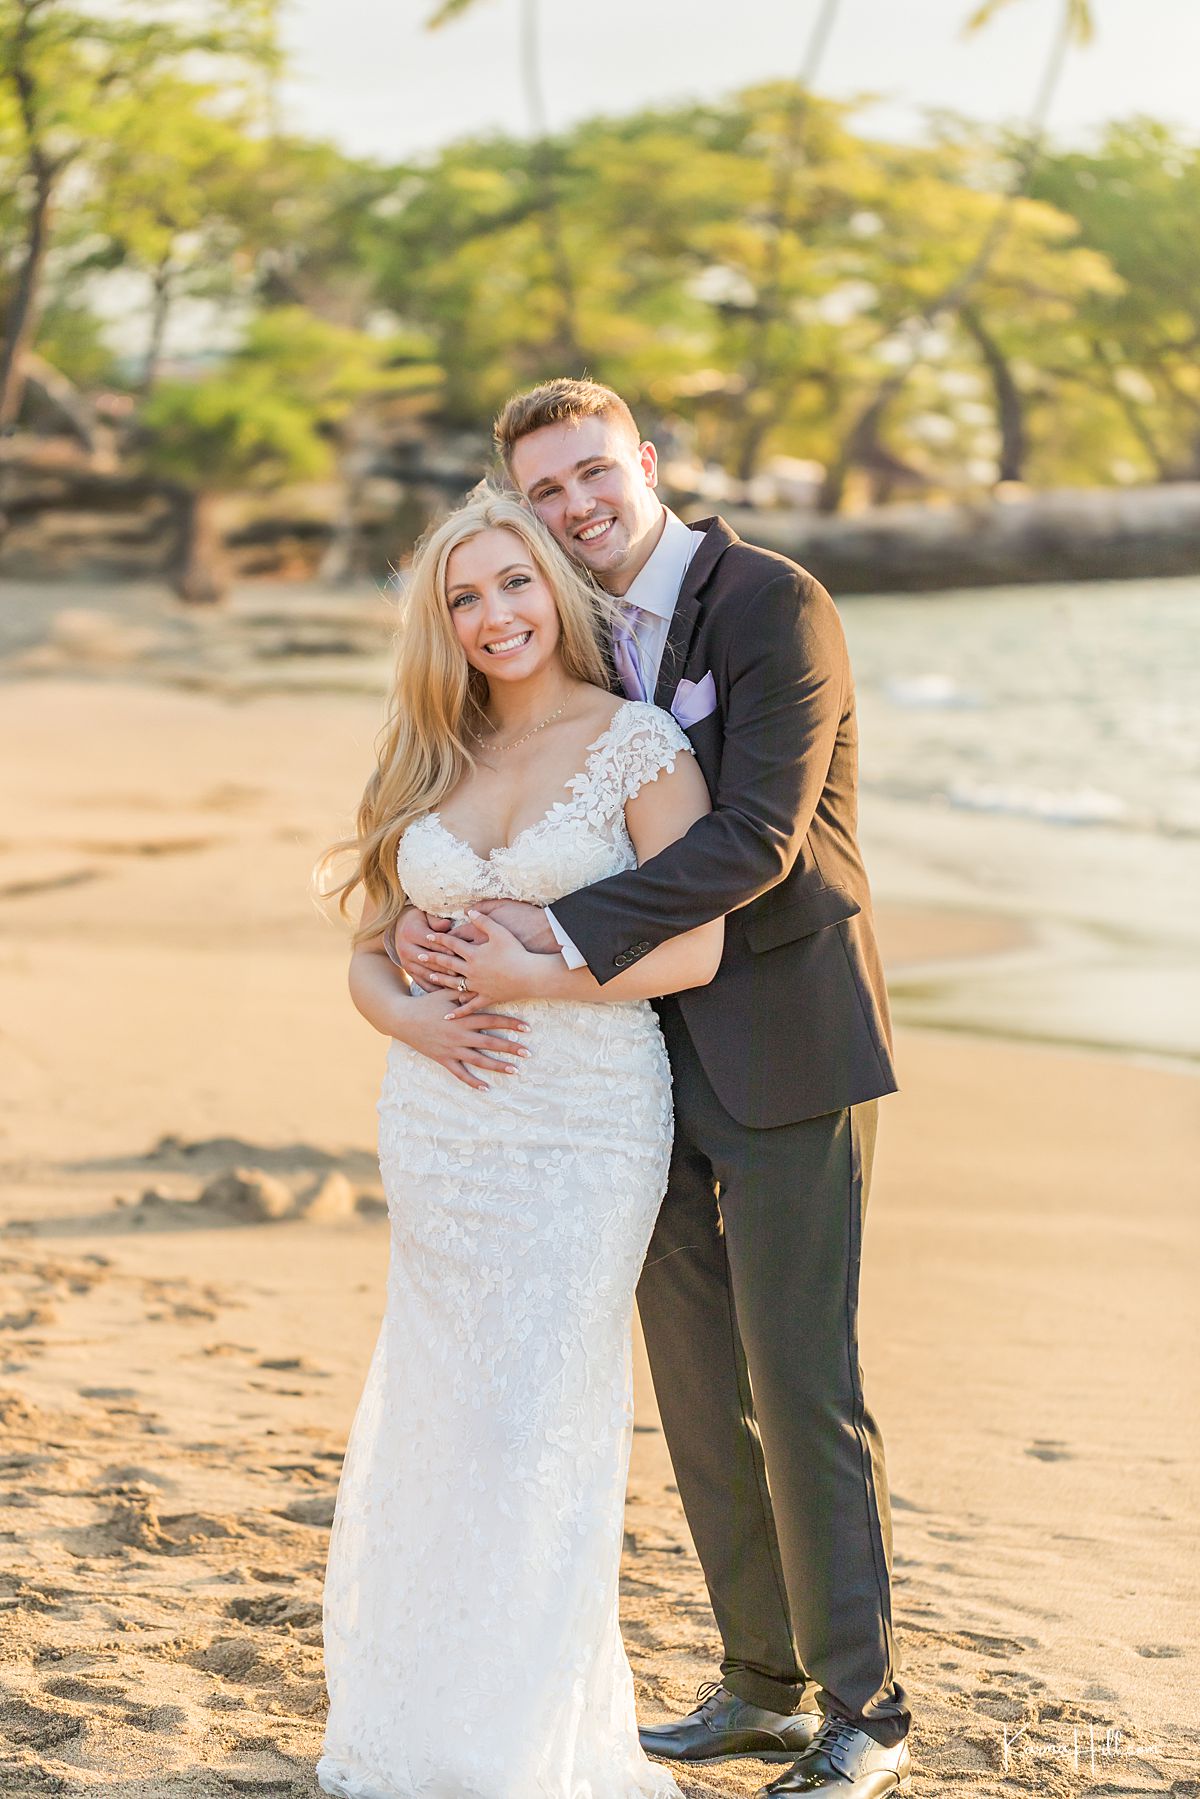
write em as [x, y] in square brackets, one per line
[1135, 416]
[199, 572]
[750, 449]
[74, 408]
[343, 559]
[771, 312]
[159, 309]
[566, 340]
[760, 422]
[21, 321]
[862, 436]
[1010, 402]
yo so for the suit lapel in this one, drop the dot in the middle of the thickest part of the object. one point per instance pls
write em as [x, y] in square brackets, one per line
[716, 540]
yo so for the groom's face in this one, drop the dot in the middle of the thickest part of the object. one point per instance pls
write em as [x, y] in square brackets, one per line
[593, 484]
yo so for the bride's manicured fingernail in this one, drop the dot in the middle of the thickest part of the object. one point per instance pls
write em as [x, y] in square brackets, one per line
[422, 958]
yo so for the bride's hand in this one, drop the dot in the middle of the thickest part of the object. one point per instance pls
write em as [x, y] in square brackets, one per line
[496, 964]
[462, 1040]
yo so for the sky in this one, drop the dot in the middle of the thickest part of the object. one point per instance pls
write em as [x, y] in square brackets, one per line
[367, 75]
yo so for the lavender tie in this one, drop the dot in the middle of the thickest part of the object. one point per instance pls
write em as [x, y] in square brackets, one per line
[626, 660]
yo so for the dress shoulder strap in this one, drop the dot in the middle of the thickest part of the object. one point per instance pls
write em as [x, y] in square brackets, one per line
[641, 742]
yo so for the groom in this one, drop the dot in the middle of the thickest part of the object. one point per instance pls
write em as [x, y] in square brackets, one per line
[749, 1297]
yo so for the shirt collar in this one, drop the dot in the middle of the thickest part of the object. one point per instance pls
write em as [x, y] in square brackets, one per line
[655, 588]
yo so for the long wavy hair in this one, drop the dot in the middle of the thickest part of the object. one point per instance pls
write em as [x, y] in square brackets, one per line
[437, 698]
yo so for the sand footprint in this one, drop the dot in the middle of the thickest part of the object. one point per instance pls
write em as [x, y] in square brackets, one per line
[317, 1511]
[31, 1725]
[135, 1523]
[31, 1318]
[1050, 1449]
[294, 1364]
[147, 846]
[277, 1611]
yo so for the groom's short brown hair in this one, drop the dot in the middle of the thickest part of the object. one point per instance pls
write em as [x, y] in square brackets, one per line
[560, 402]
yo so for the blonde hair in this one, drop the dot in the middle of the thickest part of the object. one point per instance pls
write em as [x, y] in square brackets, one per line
[424, 747]
[563, 401]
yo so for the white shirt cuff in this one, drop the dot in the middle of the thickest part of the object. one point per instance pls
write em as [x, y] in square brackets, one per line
[570, 954]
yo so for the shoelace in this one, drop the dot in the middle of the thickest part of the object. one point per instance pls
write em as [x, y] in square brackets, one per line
[836, 1737]
[707, 1692]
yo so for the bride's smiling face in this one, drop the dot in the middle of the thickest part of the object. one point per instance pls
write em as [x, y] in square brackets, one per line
[501, 607]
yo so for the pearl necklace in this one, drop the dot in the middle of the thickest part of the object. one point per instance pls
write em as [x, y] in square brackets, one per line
[485, 745]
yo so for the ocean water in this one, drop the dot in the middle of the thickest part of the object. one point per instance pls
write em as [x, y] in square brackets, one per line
[1036, 752]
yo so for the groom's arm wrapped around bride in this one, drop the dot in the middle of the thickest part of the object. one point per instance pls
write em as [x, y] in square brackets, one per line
[782, 688]
[778, 851]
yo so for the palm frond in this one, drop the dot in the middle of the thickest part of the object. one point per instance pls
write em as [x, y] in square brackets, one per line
[446, 13]
[983, 15]
[1080, 18]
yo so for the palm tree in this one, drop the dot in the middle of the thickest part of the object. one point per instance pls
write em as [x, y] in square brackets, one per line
[565, 345]
[767, 408]
[1076, 26]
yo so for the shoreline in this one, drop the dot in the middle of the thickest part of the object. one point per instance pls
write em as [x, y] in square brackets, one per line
[995, 967]
[1118, 1054]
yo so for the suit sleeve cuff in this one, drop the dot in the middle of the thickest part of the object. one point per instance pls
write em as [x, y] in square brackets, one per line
[570, 954]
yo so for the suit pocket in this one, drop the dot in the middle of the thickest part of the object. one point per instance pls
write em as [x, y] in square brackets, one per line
[797, 915]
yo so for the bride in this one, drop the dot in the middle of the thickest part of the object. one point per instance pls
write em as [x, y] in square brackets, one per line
[472, 1642]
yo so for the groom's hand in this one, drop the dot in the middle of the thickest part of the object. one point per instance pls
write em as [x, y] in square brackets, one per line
[412, 932]
[527, 923]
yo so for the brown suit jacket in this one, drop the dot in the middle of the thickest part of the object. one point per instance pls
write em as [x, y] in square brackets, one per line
[796, 1021]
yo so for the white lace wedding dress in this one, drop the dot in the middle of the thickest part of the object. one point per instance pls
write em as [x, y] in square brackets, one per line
[472, 1643]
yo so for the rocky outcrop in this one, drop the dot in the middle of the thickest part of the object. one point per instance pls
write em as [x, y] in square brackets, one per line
[67, 518]
[1089, 534]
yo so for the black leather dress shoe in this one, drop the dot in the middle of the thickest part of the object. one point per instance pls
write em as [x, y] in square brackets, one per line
[724, 1725]
[846, 1763]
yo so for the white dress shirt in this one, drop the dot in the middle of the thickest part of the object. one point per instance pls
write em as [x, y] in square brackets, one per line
[655, 589]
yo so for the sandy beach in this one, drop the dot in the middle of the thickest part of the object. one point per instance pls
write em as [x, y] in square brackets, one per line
[177, 1375]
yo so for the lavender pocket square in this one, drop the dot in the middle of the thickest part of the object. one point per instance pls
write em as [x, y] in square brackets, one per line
[694, 700]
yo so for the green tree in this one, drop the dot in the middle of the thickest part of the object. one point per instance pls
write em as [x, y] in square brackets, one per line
[1074, 25]
[72, 77]
[171, 196]
[270, 414]
[1136, 201]
[697, 280]
[319, 221]
[545, 168]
